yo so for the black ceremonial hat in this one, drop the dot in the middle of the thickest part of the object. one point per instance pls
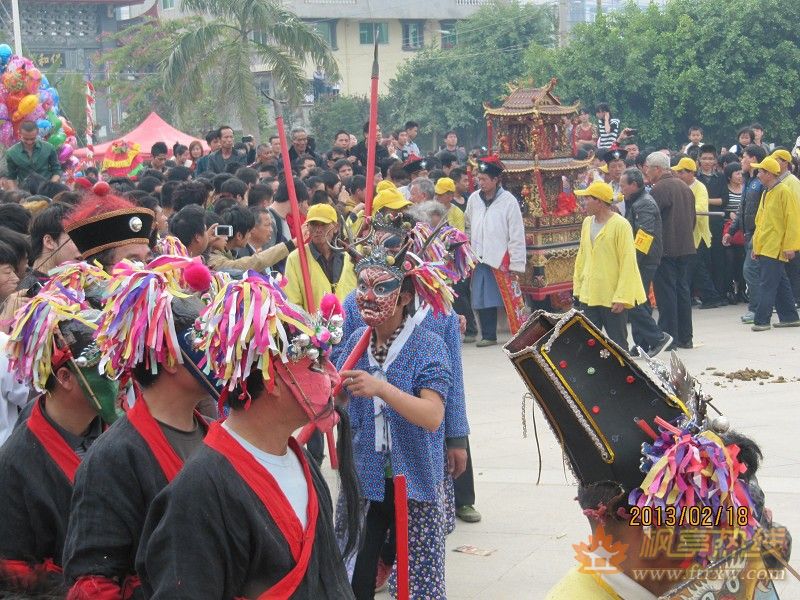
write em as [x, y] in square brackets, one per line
[113, 229]
[414, 164]
[615, 154]
[592, 394]
[491, 165]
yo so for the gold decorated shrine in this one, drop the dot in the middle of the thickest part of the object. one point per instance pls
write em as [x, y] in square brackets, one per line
[530, 133]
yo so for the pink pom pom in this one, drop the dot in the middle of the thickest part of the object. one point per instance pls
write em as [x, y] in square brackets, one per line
[197, 276]
[330, 305]
[323, 336]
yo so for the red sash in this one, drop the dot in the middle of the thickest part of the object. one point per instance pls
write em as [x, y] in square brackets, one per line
[141, 419]
[269, 492]
[55, 445]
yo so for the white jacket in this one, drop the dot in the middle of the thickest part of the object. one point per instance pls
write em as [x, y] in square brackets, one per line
[497, 230]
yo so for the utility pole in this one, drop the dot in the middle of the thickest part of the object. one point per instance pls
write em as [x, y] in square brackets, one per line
[17, 27]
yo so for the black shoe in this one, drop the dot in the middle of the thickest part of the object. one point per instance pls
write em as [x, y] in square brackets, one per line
[685, 345]
[714, 304]
[666, 342]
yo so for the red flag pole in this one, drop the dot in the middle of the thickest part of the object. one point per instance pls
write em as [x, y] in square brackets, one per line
[401, 535]
[298, 232]
[372, 133]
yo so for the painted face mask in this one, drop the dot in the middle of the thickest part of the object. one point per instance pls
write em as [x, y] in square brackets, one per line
[311, 382]
[377, 293]
[102, 393]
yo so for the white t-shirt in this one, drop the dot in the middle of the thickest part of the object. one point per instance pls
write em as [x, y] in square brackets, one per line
[286, 470]
[13, 395]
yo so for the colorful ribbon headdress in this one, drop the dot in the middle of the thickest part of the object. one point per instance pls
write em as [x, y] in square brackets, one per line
[138, 324]
[250, 324]
[36, 347]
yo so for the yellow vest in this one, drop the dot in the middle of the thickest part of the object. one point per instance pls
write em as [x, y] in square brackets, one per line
[605, 270]
[777, 222]
[457, 218]
[319, 281]
[581, 586]
[701, 229]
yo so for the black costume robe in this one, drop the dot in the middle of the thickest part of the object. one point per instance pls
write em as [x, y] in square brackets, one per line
[37, 469]
[114, 486]
[209, 535]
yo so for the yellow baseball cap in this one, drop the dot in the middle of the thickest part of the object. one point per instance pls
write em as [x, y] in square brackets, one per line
[685, 164]
[769, 164]
[389, 196]
[322, 213]
[603, 168]
[782, 154]
[444, 185]
[600, 190]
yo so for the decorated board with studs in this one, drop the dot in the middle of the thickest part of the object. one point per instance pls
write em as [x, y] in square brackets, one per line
[597, 400]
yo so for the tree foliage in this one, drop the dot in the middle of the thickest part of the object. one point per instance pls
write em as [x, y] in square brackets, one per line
[333, 113]
[136, 77]
[720, 64]
[445, 88]
[235, 35]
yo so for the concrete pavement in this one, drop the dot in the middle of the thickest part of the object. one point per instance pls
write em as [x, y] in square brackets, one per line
[532, 528]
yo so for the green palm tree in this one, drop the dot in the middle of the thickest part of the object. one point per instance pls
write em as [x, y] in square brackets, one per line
[235, 35]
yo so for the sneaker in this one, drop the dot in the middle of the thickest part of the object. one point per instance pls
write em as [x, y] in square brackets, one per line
[468, 514]
[787, 324]
[665, 342]
[761, 327]
[469, 339]
[382, 576]
[486, 343]
[747, 318]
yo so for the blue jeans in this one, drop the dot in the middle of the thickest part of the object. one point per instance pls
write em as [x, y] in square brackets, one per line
[775, 292]
[750, 270]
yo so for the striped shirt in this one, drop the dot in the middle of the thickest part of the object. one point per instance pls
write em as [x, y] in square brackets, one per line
[605, 138]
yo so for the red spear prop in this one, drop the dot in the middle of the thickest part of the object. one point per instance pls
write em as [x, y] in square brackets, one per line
[298, 232]
[401, 536]
[372, 133]
[361, 346]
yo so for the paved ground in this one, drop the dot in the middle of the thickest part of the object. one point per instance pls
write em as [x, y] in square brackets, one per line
[532, 528]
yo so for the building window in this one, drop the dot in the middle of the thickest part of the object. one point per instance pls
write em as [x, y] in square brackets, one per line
[366, 32]
[123, 13]
[327, 29]
[259, 36]
[449, 35]
[167, 4]
[413, 35]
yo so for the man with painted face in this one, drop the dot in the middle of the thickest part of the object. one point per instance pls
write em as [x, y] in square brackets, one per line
[250, 514]
[143, 331]
[397, 392]
[52, 350]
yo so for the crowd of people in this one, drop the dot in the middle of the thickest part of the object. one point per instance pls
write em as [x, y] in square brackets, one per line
[707, 228]
[164, 318]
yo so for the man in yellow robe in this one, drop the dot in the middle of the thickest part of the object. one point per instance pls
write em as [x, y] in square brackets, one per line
[606, 279]
[331, 270]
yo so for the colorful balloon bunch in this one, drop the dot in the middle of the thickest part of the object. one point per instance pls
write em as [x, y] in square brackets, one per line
[26, 95]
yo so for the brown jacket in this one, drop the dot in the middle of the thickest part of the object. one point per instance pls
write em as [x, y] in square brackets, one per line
[676, 203]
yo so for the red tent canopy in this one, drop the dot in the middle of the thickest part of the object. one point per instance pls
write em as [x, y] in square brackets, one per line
[153, 129]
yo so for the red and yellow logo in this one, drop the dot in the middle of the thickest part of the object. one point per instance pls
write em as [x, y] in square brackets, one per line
[602, 555]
